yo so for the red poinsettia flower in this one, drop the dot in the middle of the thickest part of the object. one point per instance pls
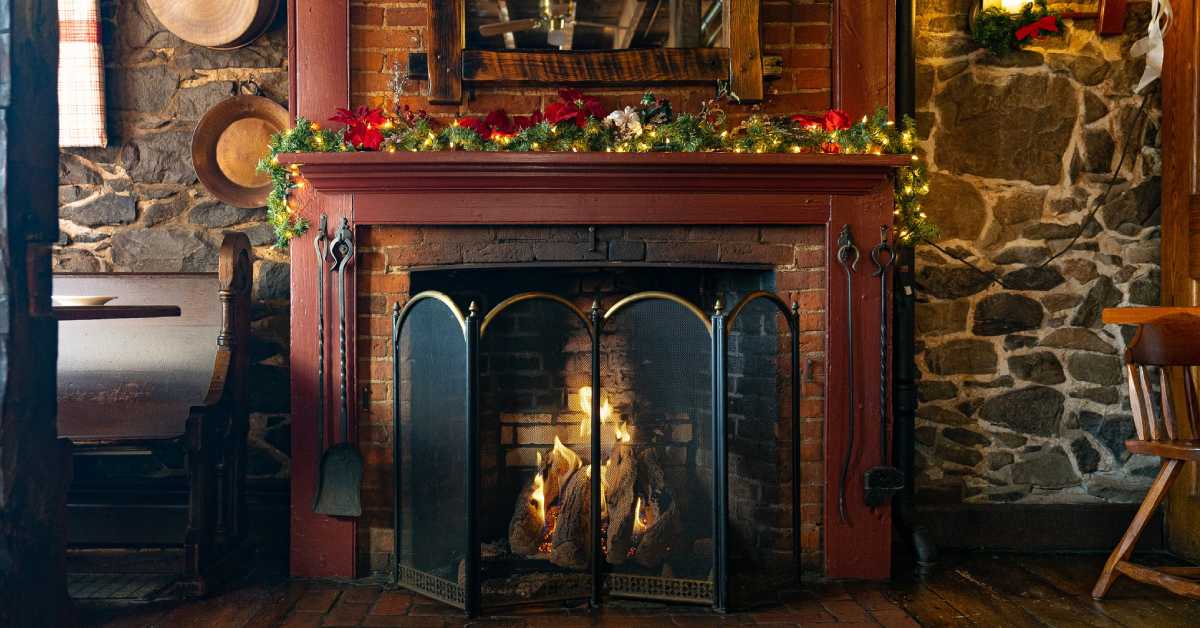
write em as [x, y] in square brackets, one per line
[831, 148]
[362, 127]
[475, 124]
[520, 123]
[833, 120]
[411, 117]
[1048, 24]
[574, 106]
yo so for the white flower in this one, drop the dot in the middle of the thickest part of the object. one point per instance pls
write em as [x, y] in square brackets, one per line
[627, 121]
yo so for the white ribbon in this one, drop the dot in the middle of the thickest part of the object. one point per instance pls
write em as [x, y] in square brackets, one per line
[1152, 44]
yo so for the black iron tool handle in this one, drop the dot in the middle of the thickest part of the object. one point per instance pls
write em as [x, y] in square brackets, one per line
[341, 248]
[884, 256]
[848, 256]
[322, 253]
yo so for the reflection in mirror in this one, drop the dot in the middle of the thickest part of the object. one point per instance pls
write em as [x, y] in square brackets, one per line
[593, 24]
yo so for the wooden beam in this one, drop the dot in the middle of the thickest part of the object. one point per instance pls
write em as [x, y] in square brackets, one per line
[447, 38]
[510, 40]
[605, 67]
[685, 24]
[744, 40]
[627, 23]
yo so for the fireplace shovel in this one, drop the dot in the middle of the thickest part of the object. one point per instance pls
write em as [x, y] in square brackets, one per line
[884, 481]
[340, 475]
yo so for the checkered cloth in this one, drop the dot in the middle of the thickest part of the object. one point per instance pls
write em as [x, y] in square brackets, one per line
[80, 75]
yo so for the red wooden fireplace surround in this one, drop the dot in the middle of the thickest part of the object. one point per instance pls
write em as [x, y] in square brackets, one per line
[372, 189]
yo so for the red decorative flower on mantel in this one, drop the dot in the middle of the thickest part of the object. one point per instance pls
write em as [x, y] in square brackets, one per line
[362, 126]
[833, 120]
[575, 106]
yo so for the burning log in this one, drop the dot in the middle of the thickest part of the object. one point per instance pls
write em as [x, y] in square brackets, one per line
[665, 527]
[571, 544]
[527, 530]
[620, 477]
[643, 517]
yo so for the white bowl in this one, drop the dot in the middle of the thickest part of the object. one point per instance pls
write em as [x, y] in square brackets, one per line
[75, 301]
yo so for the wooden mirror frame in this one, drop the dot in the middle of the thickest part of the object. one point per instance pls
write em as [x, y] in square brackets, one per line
[448, 63]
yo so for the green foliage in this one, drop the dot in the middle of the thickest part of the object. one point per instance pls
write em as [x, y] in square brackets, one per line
[661, 130]
[996, 29]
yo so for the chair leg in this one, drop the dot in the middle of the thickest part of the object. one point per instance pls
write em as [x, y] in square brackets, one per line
[1154, 497]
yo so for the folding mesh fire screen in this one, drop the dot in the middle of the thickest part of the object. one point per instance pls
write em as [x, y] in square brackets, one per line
[546, 451]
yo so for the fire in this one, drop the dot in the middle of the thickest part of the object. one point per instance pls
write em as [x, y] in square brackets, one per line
[538, 497]
[620, 431]
[639, 521]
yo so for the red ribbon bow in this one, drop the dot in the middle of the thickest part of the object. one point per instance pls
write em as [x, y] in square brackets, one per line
[1048, 24]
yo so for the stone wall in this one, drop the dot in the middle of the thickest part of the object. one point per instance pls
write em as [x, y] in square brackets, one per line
[137, 206]
[1021, 385]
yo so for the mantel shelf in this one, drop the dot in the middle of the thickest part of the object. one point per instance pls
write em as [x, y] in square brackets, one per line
[724, 173]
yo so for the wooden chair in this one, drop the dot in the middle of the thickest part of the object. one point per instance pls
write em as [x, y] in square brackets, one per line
[133, 387]
[1170, 345]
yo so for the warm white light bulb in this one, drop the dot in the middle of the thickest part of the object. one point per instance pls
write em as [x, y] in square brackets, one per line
[1008, 6]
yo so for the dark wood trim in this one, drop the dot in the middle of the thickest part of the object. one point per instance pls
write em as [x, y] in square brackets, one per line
[447, 38]
[1112, 17]
[745, 67]
[109, 312]
[603, 67]
[1035, 527]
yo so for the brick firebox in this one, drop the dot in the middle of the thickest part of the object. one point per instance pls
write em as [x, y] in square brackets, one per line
[796, 259]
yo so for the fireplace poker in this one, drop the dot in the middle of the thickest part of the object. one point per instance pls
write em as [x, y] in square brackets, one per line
[848, 256]
[319, 245]
[884, 481]
[342, 465]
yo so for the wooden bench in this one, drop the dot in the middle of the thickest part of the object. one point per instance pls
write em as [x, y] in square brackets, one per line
[131, 386]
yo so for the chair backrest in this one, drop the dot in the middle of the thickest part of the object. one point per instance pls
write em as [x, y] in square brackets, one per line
[1170, 345]
[139, 378]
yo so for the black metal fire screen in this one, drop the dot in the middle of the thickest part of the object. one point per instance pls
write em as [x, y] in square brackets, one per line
[546, 451]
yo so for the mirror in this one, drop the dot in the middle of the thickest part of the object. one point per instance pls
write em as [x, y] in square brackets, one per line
[593, 24]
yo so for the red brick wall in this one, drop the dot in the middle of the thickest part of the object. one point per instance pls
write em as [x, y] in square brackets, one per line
[383, 32]
[386, 253]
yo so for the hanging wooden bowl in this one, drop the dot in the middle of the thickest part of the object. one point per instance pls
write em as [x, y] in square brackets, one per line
[221, 24]
[228, 143]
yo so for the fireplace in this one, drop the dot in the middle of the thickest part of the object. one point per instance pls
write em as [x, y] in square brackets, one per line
[534, 241]
[586, 494]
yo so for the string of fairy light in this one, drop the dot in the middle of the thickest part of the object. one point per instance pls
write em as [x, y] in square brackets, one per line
[873, 134]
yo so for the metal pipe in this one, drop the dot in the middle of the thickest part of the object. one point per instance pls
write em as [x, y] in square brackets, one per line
[472, 584]
[794, 330]
[396, 443]
[720, 465]
[597, 557]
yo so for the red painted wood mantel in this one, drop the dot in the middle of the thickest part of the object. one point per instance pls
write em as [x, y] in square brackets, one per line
[595, 189]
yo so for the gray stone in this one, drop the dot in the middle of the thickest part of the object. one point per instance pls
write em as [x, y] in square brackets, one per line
[1021, 255]
[943, 416]
[163, 209]
[999, 459]
[271, 280]
[75, 261]
[1106, 395]
[213, 213]
[1089, 67]
[955, 206]
[1111, 430]
[1133, 206]
[1033, 410]
[163, 250]
[72, 193]
[103, 209]
[951, 282]
[1014, 59]
[1095, 368]
[1116, 488]
[1102, 294]
[1041, 367]
[942, 317]
[1051, 231]
[143, 88]
[266, 52]
[1076, 338]
[191, 103]
[1020, 206]
[160, 158]
[1049, 469]
[1145, 289]
[965, 437]
[73, 169]
[1081, 270]
[1000, 314]
[965, 356]
[1098, 149]
[1094, 107]
[959, 455]
[936, 391]
[1034, 278]
[260, 235]
[1027, 122]
[89, 237]
[1147, 251]
[1061, 301]
[1009, 439]
[1004, 381]
[1086, 456]
[1017, 341]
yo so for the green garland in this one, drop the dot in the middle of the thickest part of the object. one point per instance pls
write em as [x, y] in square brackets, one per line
[664, 132]
[997, 30]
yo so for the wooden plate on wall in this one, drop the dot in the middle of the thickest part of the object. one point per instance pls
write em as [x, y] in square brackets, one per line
[229, 141]
[221, 24]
